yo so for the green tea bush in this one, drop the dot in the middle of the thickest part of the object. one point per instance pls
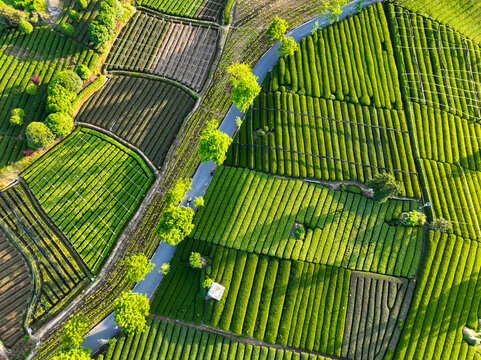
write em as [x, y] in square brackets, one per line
[25, 27]
[67, 29]
[39, 135]
[73, 15]
[60, 124]
[83, 72]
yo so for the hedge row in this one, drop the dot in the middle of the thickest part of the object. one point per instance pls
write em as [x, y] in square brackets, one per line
[164, 340]
[42, 53]
[377, 308]
[441, 67]
[447, 297]
[60, 274]
[210, 10]
[126, 106]
[313, 128]
[276, 300]
[100, 181]
[176, 50]
[351, 60]
[343, 229]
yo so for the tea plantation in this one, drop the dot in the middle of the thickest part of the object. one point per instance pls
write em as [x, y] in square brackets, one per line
[340, 219]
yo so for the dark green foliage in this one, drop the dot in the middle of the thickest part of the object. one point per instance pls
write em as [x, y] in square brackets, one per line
[108, 19]
[82, 4]
[67, 29]
[31, 89]
[67, 79]
[73, 15]
[441, 225]
[59, 99]
[384, 186]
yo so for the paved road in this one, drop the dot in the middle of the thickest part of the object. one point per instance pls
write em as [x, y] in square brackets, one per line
[107, 328]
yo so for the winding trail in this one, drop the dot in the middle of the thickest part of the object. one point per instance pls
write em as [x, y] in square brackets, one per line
[107, 328]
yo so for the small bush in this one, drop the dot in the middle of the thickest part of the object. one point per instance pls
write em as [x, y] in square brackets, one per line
[18, 112]
[98, 33]
[165, 268]
[73, 15]
[16, 120]
[60, 124]
[83, 72]
[69, 80]
[67, 29]
[39, 135]
[412, 218]
[300, 232]
[441, 225]
[31, 89]
[25, 27]
[197, 261]
[82, 4]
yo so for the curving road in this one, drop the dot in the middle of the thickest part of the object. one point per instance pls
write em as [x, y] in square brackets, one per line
[107, 328]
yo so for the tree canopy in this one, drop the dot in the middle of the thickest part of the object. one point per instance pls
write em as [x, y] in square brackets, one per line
[74, 332]
[177, 193]
[213, 145]
[39, 135]
[175, 224]
[131, 310]
[288, 46]
[277, 28]
[245, 86]
[138, 265]
[384, 186]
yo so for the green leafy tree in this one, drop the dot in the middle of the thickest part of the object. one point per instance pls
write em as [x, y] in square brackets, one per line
[175, 224]
[82, 4]
[98, 32]
[197, 261]
[25, 27]
[207, 282]
[199, 201]
[245, 86]
[213, 145]
[31, 89]
[72, 354]
[238, 122]
[68, 79]
[441, 225]
[131, 310]
[412, 218]
[277, 28]
[138, 265]
[177, 193]
[39, 135]
[73, 15]
[74, 332]
[67, 29]
[384, 186]
[59, 99]
[288, 46]
[60, 124]
[165, 268]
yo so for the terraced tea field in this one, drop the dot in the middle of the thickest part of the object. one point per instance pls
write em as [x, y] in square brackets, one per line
[181, 51]
[16, 287]
[209, 10]
[59, 271]
[42, 53]
[126, 107]
[102, 183]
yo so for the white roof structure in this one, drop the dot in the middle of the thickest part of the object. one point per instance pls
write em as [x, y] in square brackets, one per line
[216, 291]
